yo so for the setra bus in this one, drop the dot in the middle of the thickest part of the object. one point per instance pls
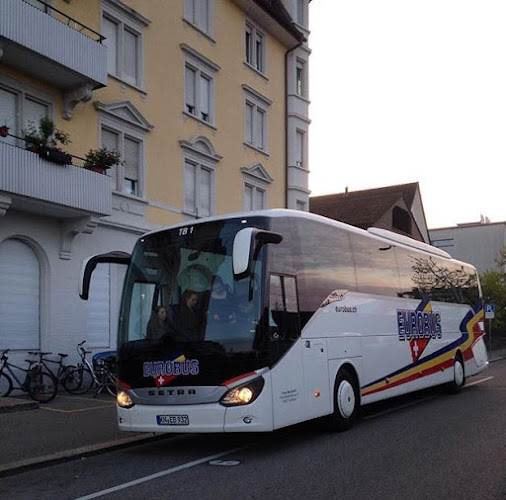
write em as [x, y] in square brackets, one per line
[291, 317]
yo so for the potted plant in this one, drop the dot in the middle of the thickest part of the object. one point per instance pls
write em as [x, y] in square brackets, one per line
[100, 160]
[45, 140]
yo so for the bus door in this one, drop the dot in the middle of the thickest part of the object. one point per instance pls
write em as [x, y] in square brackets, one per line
[317, 398]
[285, 349]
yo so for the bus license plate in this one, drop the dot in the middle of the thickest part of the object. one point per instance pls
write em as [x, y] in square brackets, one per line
[172, 420]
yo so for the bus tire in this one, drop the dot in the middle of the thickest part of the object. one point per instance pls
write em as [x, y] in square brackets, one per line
[459, 375]
[346, 401]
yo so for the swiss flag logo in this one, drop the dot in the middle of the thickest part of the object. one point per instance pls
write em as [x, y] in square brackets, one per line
[417, 347]
[162, 380]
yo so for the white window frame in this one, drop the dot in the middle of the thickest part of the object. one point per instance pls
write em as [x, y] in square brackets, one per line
[200, 15]
[255, 188]
[117, 173]
[22, 92]
[201, 155]
[257, 180]
[255, 50]
[300, 148]
[256, 122]
[300, 9]
[300, 78]
[126, 20]
[203, 70]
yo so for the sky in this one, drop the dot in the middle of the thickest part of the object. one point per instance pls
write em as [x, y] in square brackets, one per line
[411, 91]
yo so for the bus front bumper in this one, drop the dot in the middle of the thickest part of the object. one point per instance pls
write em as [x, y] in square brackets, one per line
[211, 417]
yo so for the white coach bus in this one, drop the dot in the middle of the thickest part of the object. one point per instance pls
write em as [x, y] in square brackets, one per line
[256, 321]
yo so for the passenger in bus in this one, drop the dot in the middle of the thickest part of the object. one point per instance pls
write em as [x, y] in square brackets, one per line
[188, 321]
[221, 303]
[159, 324]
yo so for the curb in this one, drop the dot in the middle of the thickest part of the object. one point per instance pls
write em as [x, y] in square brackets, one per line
[76, 453]
[10, 405]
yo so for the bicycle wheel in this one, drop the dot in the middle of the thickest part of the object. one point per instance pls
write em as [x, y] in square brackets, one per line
[64, 374]
[41, 386]
[78, 381]
[5, 385]
[110, 384]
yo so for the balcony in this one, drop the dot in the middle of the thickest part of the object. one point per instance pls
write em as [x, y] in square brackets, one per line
[28, 183]
[51, 46]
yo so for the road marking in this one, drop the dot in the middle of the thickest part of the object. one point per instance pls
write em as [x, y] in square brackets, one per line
[79, 410]
[159, 474]
[478, 381]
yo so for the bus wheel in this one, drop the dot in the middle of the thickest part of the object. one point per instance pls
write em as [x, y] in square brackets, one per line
[459, 377]
[346, 400]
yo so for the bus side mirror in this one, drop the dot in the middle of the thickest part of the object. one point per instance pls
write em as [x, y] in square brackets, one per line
[90, 264]
[247, 244]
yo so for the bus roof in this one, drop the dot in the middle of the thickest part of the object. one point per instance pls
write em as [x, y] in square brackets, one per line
[384, 235]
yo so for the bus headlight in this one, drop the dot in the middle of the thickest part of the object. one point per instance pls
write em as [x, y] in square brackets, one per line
[124, 400]
[243, 394]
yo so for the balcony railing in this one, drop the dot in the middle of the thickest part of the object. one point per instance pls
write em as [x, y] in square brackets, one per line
[51, 45]
[39, 186]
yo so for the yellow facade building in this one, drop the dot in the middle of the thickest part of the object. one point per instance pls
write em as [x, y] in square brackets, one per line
[206, 101]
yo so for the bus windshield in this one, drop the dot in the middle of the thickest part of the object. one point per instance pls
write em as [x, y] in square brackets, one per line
[180, 298]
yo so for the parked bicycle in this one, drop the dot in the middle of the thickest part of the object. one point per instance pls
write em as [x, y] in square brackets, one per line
[39, 384]
[62, 371]
[99, 376]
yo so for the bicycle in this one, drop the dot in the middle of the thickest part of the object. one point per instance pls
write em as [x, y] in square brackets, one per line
[63, 370]
[40, 385]
[102, 375]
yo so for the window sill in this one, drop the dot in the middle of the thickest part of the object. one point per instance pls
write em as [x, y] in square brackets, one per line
[142, 90]
[257, 150]
[255, 70]
[200, 31]
[130, 197]
[199, 120]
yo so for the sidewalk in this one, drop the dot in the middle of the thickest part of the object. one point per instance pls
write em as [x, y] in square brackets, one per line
[34, 434]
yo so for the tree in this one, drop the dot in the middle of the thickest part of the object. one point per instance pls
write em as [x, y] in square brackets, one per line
[493, 284]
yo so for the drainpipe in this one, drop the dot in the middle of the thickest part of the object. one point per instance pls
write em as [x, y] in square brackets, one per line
[287, 53]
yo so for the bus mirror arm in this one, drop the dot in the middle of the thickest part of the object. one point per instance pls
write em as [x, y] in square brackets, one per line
[247, 245]
[89, 265]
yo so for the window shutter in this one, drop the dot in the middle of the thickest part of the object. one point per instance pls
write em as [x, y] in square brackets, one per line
[130, 56]
[33, 111]
[8, 114]
[203, 15]
[110, 140]
[189, 187]
[259, 133]
[131, 159]
[259, 195]
[259, 52]
[204, 98]
[248, 45]
[19, 296]
[110, 31]
[205, 193]
[248, 198]
[299, 145]
[190, 76]
[98, 324]
[189, 10]
[249, 123]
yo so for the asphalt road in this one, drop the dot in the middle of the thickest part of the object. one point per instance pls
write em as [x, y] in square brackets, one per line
[428, 446]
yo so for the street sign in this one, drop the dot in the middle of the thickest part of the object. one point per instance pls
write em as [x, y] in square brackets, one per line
[489, 311]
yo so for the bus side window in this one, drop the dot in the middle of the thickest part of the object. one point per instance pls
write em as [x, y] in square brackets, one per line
[283, 307]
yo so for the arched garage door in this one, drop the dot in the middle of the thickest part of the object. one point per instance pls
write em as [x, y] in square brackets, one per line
[19, 296]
